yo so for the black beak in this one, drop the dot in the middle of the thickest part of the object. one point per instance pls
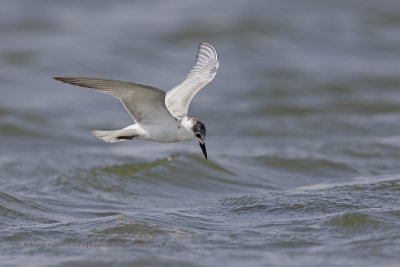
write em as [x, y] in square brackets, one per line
[203, 148]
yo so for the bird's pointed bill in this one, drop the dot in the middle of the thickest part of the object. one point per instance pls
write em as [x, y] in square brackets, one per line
[203, 148]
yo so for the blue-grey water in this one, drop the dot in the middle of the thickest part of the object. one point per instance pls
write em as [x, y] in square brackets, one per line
[303, 122]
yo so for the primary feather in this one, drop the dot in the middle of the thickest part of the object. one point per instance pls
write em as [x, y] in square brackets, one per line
[206, 65]
[146, 104]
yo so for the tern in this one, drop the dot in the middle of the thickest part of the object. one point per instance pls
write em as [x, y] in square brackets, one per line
[159, 116]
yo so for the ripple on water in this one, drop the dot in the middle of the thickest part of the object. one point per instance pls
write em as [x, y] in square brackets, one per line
[175, 172]
[124, 227]
[308, 166]
[17, 124]
[20, 207]
[355, 222]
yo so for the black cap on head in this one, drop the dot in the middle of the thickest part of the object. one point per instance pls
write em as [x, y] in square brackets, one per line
[199, 127]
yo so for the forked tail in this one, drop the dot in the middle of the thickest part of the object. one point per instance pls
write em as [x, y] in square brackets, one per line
[115, 136]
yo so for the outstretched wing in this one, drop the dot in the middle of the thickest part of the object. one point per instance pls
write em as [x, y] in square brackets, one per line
[178, 99]
[146, 104]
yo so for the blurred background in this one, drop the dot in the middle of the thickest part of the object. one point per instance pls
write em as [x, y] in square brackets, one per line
[303, 123]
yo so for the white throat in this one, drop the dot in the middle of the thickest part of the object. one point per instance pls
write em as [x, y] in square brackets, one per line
[187, 123]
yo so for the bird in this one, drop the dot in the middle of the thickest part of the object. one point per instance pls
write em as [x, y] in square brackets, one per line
[159, 116]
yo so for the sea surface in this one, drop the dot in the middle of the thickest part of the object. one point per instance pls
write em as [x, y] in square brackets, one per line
[303, 135]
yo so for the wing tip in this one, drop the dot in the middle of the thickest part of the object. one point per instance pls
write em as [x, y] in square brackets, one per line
[205, 44]
[72, 80]
[209, 48]
[60, 79]
[78, 81]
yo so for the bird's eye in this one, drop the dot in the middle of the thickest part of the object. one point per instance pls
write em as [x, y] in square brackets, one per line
[198, 135]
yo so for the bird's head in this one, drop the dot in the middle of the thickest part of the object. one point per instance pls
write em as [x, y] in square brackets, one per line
[198, 129]
[200, 132]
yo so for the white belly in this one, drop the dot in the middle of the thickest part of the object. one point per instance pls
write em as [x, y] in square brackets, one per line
[164, 133]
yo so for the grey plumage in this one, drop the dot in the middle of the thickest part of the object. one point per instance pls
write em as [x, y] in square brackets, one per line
[146, 104]
[205, 67]
[159, 116]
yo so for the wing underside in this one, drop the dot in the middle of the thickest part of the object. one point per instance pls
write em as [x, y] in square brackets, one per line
[146, 104]
[206, 65]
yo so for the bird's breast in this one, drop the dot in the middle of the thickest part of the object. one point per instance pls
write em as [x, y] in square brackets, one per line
[167, 133]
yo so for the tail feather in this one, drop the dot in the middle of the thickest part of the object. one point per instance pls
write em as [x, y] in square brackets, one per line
[115, 136]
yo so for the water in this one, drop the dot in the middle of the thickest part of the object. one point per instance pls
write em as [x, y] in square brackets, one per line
[303, 122]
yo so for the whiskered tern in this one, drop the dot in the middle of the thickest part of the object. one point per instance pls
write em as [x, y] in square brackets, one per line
[160, 116]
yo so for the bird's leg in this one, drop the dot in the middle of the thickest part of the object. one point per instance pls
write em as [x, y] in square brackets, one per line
[129, 137]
